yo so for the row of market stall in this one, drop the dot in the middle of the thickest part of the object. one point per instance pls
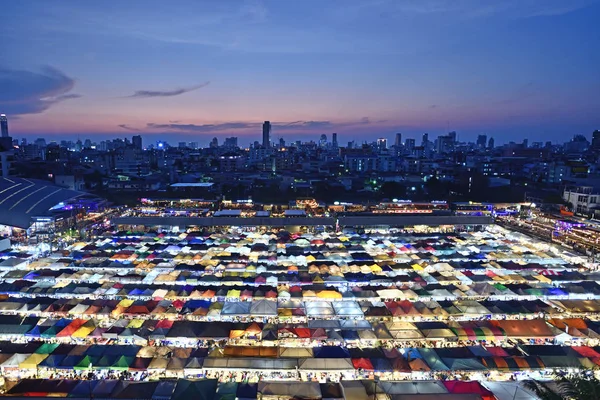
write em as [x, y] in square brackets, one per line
[36, 356]
[207, 389]
[312, 334]
[292, 310]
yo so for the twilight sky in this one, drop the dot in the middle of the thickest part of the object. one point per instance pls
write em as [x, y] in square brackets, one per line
[191, 70]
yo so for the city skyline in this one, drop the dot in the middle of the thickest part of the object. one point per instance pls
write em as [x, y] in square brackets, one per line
[363, 69]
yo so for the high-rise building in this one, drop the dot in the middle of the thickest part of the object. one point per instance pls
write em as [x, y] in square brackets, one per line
[445, 144]
[231, 142]
[525, 143]
[137, 142]
[409, 144]
[425, 140]
[398, 141]
[266, 139]
[214, 143]
[4, 125]
[381, 144]
[334, 142]
[323, 140]
[452, 136]
[595, 139]
[481, 141]
[491, 143]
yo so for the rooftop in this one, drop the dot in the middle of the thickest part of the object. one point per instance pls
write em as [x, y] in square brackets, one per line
[21, 199]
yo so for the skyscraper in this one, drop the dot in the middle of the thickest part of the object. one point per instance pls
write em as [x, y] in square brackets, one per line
[595, 139]
[137, 141]
[382, 144]
[491, 143]
[266, 142]
[334, 142]
[481, 141]
[452, 136]
[425, 140]
[4, 125]
[323, 140]
[231, 142]
[398, 141]
[409, 144]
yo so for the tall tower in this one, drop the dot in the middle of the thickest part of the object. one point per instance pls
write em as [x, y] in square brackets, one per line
[266, 142]
[334, 142]
[4, 125]
[398, 141]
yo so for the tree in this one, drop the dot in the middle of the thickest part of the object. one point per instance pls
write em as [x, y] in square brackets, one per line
[568, 387]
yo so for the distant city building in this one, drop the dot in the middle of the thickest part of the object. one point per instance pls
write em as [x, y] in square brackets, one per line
[481, 141]
[4, 125]
[6, 160]
[445, 144]
[334, 142]
[409, 145]
[137, 142]
[578, 144]
[323, 140]
[452, 136]
[398, 141]
[214, 143]
[381, 144]
[595, 139]
[266, 134]
[491, 143]
[425, 140]
[231, 142]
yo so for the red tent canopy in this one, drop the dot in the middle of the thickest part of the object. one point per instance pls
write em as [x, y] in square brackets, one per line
[465, 387]
[362, 363]
[586, 351]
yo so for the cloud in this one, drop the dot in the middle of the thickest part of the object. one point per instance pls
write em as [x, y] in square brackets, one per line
[433, 106]
[464, 8]
[302, 125]
[205, 127]
[227, 126]
[141, 94]
[29, 92]
[128, 128]
[297, 126]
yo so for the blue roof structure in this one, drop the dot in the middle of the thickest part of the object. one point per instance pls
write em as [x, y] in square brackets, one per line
[21, 199]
